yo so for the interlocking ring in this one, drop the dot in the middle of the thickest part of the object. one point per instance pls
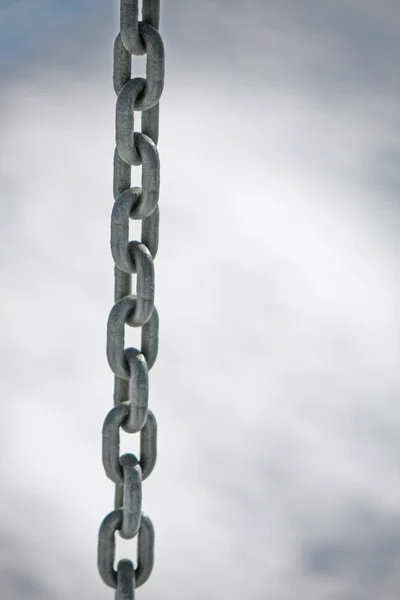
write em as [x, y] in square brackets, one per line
[125, 128]
[145, 199]
[106, 549]
[155, 68]
[140, 94]
[126, 138]
[130, 22]
[138, 390]
[125, 580]
[134, 257]
[117, 418]
[132, 496]
[121, 313]
[127, 254]
[131, 365]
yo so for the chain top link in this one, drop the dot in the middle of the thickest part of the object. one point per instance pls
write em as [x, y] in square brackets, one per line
[131, 366]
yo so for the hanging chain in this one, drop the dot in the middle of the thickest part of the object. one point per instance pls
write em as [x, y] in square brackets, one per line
[129, 365]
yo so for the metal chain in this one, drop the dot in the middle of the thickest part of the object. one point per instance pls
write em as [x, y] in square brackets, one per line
[130, 365]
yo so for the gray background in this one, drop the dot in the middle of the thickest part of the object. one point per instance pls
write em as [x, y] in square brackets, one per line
[276, 389]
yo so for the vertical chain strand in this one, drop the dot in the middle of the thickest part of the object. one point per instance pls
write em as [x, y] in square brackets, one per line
[133, 258]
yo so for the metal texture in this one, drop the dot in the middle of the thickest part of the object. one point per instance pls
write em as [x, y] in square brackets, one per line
[106, 549]
[131, 366]
[111, 442]
[125, 581]
[124, 312]
[132, 499]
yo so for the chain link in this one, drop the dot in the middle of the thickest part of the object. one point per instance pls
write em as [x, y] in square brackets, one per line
[130, 365]
[145, 555]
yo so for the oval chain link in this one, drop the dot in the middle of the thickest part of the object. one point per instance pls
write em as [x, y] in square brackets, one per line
[130, 365]
[106, 549]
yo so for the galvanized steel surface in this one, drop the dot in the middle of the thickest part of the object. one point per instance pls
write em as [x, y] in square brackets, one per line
[130, 365]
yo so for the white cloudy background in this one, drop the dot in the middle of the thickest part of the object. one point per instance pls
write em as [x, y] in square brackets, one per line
[276, 388]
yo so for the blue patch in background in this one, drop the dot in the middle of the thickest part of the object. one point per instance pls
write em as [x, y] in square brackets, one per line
[50, 32]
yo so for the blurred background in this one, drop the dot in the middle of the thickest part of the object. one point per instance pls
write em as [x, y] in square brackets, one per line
[276, 388]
